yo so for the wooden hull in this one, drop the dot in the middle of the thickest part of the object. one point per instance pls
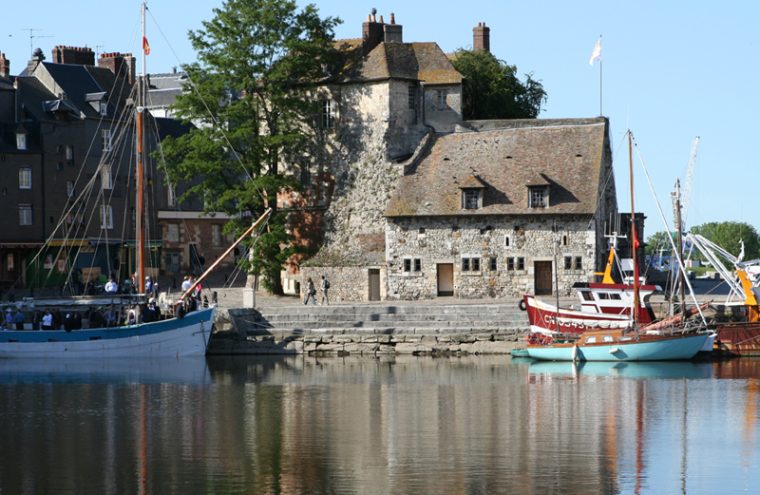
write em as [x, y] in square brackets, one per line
[741, 339]
[547, 318]
[174, 337]
[660, 348]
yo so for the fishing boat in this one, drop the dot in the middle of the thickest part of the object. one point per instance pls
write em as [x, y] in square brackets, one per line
[668, 340]
[185, 331]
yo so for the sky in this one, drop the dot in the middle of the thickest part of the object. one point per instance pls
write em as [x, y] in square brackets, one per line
[671, 71]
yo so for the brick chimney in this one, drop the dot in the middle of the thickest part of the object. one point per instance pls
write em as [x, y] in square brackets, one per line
[372, 33]
[481, 37]
[5, 66]
[121, 64]
[77, 55]
[393, 31]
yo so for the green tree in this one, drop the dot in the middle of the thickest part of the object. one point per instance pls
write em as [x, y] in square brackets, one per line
[728, 236]
[493, 91]
[251, 99]
[657, 241]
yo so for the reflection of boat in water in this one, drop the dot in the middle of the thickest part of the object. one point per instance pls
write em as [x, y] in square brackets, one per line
[188, 370]
[643, 370]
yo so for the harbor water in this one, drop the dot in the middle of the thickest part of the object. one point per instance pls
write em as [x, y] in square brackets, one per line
[458, 425]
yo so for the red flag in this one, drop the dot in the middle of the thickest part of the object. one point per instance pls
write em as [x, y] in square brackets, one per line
[146, 46]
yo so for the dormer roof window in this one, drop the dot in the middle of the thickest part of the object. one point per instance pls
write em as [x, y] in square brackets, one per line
[538, 192]
[21, 141]
[472, 193]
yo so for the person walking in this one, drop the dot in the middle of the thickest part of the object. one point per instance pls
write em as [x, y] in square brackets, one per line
[325, 286]
[311, 292]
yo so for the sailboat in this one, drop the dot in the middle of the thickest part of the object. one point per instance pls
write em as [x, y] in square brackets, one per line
[183, 333]
[632, 343]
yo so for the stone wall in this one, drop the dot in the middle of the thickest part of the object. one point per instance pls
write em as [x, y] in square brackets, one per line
[347, 283]
[435, 241]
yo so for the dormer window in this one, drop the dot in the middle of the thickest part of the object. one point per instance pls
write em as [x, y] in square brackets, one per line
[103, 108]
[471, 199]
[538, 197]
[21, 141]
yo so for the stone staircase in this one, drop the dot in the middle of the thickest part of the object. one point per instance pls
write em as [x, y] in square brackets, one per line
[407, 327]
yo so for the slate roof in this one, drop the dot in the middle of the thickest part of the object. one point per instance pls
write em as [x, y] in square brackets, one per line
[566, 154]
[413, 61]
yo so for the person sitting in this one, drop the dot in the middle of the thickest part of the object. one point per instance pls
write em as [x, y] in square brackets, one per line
[19, 320]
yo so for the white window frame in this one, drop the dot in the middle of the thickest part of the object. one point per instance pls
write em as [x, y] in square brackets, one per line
[107, 139]
[104, 108]
[20, 141]
[172, 232]
[471, 199]
[106, 179]
[106, 217]
[25, 216]
[216, 235]
[25, 178]
[327, 114]
[538, 197]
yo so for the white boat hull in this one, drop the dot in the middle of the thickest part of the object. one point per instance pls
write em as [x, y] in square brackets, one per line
[175, 337]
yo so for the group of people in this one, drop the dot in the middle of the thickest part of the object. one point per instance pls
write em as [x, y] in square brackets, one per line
[311, 291]
[130, 286]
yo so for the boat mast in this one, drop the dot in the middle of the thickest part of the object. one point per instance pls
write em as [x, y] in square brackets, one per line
[679, 245]
[140, 173]
[634, 237]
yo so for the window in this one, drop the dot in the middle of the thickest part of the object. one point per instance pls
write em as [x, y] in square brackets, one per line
[568, 262]
[521, 264]
[471, 264]
[216, 235]
[25, 214]
[171, 196]
[9, 262]
[69, 189]
[70, 154]
[407, 265]
[327, 114]
[103, 108]
[538, 197]
[440, 99]
[412, 97]
[106, 135]
[305, 175]
[412, 264]
[25, 178]
[417, 265]
[510, 264]
[564, 240]
[578, 263]
[172, 232]
[470, 199]
[506, 241]
[106, 217]
[106, 181]
[587, 296]
[493, 263]
[21, 141]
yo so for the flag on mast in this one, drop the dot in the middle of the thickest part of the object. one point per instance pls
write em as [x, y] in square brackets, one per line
[146, 46]
[596, 54]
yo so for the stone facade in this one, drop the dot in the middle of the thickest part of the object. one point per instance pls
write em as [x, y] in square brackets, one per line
[504, 249]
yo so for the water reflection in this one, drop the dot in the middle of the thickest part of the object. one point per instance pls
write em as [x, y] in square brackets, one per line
[304, 425]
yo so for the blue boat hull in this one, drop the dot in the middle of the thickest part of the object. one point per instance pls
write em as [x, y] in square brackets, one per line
[659, 350]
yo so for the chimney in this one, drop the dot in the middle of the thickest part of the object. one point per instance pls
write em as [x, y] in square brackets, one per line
[37, 58]
[393, 31]
[481, 37]
[372, 33]
[121, 64]
[5, 66]
[77, 55]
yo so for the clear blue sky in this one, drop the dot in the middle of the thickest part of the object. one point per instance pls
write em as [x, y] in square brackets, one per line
[672, 71]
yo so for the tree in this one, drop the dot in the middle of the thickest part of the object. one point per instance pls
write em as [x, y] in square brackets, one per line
[493, 91]
[657, 241]
[251, 100]
[728, 236]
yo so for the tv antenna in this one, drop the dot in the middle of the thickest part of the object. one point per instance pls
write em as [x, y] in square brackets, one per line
[33, 36]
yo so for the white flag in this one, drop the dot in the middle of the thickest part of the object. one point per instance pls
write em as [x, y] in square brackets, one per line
[597, 53]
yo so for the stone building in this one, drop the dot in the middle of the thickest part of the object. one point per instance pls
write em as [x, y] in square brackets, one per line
[499, 208]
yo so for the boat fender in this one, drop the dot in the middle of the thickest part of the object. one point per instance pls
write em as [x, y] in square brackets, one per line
[521, 305]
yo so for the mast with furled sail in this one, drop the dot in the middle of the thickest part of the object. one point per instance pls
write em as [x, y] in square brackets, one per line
[140, 168]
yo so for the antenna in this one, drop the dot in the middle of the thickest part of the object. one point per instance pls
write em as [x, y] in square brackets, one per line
[32, 37]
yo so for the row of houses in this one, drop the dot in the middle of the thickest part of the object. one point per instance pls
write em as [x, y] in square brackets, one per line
[67, 177]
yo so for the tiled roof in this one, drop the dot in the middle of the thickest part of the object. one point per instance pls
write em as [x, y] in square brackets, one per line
[566, 154]
[418, 61]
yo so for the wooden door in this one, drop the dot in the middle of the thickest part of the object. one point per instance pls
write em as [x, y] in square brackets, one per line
[374, 284]
[445, 274]
[542, 277]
